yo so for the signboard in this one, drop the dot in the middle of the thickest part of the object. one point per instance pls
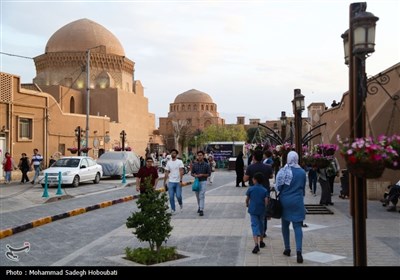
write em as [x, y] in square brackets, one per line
[221, 152]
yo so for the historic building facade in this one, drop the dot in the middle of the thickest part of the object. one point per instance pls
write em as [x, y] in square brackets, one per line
[46, 113]
[191, 111]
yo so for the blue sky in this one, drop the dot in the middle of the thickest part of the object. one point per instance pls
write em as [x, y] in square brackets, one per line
[248, 55]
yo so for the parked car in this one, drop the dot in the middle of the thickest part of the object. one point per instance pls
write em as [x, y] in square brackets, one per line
[113, 163]
[74, 169]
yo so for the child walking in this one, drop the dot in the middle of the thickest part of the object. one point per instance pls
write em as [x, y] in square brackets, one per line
[256, 199]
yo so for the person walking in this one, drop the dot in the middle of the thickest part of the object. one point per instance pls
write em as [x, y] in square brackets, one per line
[323, 179]
[174, 175]
[291, 183]
[212, 164]
[239, 168]
[201, 170]
[266, 170]
[23, 165]
[256, 200]
[36, 162]
[8, 167]
[148, 171]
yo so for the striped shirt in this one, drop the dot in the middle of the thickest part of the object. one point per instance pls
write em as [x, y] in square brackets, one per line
[37, 159]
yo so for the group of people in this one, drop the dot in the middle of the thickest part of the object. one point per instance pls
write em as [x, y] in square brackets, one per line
[290, 182]
[173, 178]
[25, 165]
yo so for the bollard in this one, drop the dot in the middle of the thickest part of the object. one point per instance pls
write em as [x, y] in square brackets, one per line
[59, 191]
[45, 191]
[123, 175]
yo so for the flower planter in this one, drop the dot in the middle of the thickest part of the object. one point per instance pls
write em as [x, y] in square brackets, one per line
[72, 150]
[391, 166]
[368, 170]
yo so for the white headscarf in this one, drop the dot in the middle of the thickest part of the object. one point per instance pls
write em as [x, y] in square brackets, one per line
[285, 175]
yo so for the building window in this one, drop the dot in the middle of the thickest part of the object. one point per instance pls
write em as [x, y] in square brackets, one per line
[206, 107]
[212, 108]
[25, 128]
[202, 107]
[189, 108]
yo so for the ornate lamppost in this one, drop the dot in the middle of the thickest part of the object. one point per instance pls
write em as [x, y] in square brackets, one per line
[283, 126]
[298, 108]
[78, 138]
[359, 43]
[122, 136]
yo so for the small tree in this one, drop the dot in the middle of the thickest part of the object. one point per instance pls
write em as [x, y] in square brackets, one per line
[152, 223]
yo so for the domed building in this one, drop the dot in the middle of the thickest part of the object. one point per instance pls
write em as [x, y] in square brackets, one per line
[191, 110]
[53, 109]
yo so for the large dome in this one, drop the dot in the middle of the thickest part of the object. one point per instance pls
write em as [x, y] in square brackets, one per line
[193, 96]
[81, 35]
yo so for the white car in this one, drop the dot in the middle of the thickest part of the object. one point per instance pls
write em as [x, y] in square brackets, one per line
[74, 169]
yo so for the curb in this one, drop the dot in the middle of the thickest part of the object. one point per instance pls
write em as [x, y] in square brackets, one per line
[77, 211]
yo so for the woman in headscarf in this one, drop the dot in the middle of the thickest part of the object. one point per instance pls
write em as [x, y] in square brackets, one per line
[291, 182]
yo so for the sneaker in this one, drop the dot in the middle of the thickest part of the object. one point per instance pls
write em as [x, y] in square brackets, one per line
[262, 244]
[198, 211]
[181, 207]
[173, 212]
[391, 209]
[201, 213]
[256, 249]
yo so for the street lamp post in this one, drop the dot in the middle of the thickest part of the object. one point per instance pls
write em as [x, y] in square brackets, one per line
[359, 42]
[283, 126]
[78, 137]
[298, 108]
[122, 136]
[87, 96]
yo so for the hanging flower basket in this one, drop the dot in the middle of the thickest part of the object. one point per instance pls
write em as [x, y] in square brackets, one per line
[85, 149]
[367, 169]
[73, 150]
[394, 163]
[392, 148]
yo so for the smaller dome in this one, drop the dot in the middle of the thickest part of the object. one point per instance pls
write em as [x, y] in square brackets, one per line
[193, 96]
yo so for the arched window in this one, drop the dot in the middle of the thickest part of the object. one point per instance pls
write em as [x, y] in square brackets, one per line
[183, 107]
[189, 108]
[202, 107]
[72, 105]
[195, 107]
[206, 107]
[212, 108]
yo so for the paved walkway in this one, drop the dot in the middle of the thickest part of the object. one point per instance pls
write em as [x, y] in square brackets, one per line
[223, 236]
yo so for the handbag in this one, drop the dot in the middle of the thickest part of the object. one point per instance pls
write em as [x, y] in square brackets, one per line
[274, 208]
[196, 185]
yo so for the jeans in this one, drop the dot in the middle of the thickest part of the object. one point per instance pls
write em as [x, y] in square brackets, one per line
[298, 234]
[257, 224]
[174, 189]
[7, 175]
[201, 194]
[37, 170]
[312, 180]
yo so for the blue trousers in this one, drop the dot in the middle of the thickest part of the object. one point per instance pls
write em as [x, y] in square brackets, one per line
[298, 234]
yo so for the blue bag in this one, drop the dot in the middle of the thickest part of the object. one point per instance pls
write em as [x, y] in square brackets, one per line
[196, 185]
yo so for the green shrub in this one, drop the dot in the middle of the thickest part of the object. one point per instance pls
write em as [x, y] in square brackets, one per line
[152, 224]
[149, 257]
